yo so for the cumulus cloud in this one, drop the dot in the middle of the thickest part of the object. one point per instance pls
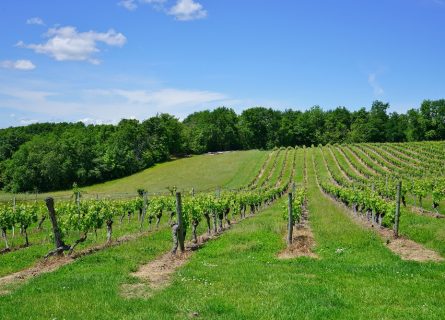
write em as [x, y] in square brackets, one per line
[24, 65]
[35, 20]
[375, 85]
[67, 44]
[186, 10]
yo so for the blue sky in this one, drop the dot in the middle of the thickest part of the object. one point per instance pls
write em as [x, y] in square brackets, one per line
[100, 61]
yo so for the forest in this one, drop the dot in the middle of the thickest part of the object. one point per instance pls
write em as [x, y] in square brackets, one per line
[51, 156]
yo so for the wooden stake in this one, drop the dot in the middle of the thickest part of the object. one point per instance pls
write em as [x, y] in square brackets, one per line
[13, 208]
[56, 231]
[290, 226]
[397, 216]
[180, 221]
[144, 209]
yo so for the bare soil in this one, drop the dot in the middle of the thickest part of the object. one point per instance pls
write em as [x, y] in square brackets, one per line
[156, 275]
[303, 243]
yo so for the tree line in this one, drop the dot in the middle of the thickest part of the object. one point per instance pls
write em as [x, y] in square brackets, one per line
[52, 156]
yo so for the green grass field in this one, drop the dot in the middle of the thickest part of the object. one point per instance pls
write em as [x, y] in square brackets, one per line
[204, 172]
[238, 275]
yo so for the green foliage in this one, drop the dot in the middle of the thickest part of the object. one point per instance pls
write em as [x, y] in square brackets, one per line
[7, 218]
[47, 157]
[365, 199]
[298, 199]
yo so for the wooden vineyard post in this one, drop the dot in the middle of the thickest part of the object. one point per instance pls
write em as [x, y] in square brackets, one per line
[193, 192]
[290, 226]
[13, 208]
[52, 215]
[180, 222]
[144, 209]
[78, 200]
[397, 216]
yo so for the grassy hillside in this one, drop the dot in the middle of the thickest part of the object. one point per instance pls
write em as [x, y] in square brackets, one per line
[203, 172]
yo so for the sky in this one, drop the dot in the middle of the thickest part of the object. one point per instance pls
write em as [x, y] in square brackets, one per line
[101, 61]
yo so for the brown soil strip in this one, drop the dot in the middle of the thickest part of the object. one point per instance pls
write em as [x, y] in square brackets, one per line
[156, 275]
[303, 244]
[54, 263]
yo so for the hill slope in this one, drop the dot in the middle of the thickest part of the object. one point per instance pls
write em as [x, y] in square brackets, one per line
[203, 172]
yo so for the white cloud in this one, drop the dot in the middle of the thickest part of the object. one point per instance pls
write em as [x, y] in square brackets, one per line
[24, 65]
[375, 85]
[94, 106]
[170, 97]
[186, 10]
[154, 2]
[66, 43]
[26, 122]
[88, 121]
[183, 10]
[133, 4]
[128, 4]
[35, 20]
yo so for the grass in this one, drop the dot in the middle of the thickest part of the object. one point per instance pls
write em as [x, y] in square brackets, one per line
[238, 276]
[231, 170]
[424, 229]
[203, 172]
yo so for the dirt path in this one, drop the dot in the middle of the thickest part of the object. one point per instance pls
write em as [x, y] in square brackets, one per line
[157, 274]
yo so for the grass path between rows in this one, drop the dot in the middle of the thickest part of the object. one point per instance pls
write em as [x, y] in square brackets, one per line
[238, 276]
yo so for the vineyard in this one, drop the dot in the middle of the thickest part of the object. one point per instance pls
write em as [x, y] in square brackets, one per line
[362, 225]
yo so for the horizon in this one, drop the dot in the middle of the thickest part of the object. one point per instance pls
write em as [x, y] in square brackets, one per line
[105, 61]
[140, 120]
